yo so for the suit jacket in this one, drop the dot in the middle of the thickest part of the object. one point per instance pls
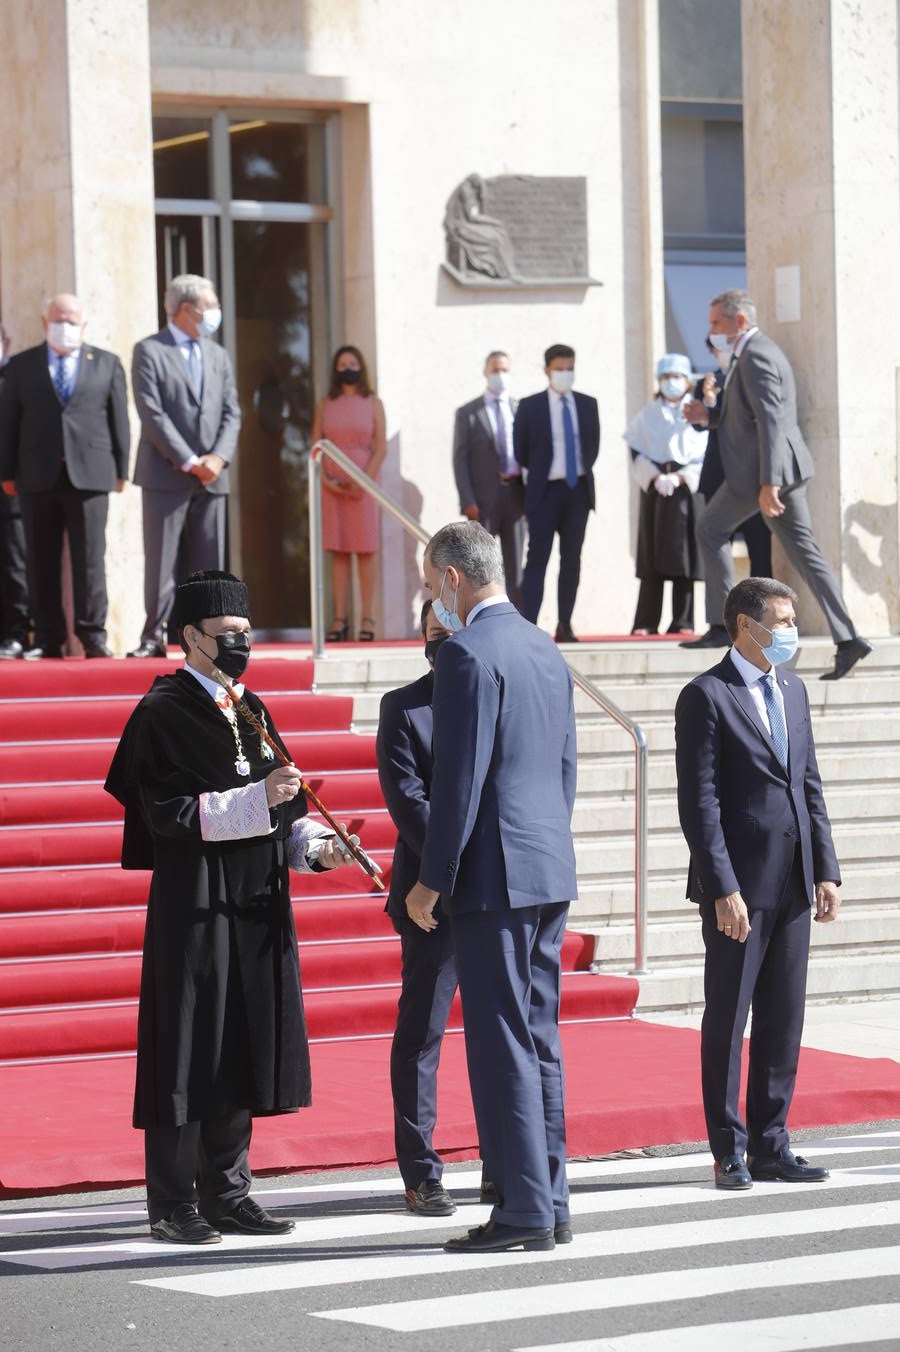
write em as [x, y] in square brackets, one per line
[533, 442]
[503, 784]
[475, 462]
[90, 432]
[403, 753]
[759, 439]
[175, 424]
[741, 812]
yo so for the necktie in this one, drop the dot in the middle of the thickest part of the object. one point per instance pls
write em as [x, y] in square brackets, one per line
[777, 725]
[569, 438]
[194, 366]
[61, 380]
[502, 443]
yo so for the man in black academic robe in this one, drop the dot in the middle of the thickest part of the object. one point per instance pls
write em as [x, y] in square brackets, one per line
[221, 1030]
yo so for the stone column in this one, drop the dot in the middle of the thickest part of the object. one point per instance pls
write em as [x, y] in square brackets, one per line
[823, 243]
[76, 205]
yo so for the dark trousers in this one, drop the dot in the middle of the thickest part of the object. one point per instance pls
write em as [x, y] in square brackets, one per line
[47, 517]
[427, 990]
[204, 1163]
[562, 511]
[508, 963]
[15, 617]
[200, 519]
[650, 603]
[507, 521]
[767, 975]
[758, 539]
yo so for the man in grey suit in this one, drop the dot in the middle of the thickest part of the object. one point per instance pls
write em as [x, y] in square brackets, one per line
[190, 419]
[767, 464]
[488, 476]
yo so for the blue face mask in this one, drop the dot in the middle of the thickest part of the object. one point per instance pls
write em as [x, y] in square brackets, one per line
[209, 322]
[784, 645]
[448, 618]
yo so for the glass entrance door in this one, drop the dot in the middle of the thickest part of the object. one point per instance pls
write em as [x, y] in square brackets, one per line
[244, 202]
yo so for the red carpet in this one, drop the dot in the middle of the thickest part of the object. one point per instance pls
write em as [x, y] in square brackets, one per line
[629, 1084]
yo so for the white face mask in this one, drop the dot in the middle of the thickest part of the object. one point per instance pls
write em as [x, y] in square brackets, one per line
[722, 342]
[498, 382]
[64, 337]
[672, 387]
[209, 321]
[562, 381]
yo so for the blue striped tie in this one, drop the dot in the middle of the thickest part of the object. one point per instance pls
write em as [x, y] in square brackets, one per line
[777, 725]
[569, 441]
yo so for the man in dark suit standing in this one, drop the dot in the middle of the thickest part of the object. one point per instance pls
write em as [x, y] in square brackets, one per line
[556, 437]
[64, 441]
[15, 611]
[403, 751]
[488, 476]
[190, 419]
[754, 817]
[766, 462]
[498, 852]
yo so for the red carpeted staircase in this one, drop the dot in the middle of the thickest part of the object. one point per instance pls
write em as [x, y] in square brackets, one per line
[71, 921]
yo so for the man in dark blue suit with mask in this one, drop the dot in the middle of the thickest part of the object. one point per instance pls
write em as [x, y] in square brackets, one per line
[403, 751]
[498, 852]
[754, 817]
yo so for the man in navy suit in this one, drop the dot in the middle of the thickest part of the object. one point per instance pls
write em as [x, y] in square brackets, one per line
[498, 852]
[403, 750]
[556, 437]
[754, 817]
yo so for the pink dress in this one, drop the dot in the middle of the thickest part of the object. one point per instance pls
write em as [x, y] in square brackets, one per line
[349, 525]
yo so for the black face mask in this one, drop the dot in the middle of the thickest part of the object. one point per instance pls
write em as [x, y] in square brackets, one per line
[431, 648]
[349, 377]
[232, 653]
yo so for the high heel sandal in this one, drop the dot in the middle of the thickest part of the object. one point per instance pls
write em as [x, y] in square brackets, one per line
[367, 635]
[338, 631]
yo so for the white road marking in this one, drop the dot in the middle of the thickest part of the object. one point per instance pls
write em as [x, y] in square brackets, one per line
[311, 1272]
[655, 1288]
[782, 1333]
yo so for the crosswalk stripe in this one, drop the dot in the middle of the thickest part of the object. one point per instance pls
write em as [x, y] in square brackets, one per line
[605, 1293]
[325, 1229]
[603, 1244]
[781, 1333]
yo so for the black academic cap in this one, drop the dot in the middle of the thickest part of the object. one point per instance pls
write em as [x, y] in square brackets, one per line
[203, 596]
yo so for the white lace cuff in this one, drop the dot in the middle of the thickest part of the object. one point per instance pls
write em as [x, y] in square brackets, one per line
[235, 814]
[303, 832]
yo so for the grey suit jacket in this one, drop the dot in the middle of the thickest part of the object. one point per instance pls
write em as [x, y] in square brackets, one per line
[175, 424]
[759, 439]
[475, 463]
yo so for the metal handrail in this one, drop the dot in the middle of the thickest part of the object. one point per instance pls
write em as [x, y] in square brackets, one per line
[639, 737]
[324, 448]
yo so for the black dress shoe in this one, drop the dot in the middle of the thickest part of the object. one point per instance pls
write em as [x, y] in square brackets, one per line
[148, 650]
[716, 636]
[97, 650]
[185, 1226]
[732, 1172]
[785, 1167]
[11, 648]
[430, 1198]
[565, 634]
[248, 1218]
[498, 1238]
[846, 655]
[562, 1232]
[35, 654]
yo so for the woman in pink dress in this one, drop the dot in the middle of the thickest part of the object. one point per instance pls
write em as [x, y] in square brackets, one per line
[352, 416]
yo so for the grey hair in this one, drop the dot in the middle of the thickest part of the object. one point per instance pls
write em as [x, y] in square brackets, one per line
[466, 545]
[736, 303]
[188, 286]
[750, 597]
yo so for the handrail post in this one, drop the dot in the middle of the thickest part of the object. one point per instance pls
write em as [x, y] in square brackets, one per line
[640, 852]
[316, 561]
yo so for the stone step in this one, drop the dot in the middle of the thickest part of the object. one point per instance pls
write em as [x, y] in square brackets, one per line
[612, 774]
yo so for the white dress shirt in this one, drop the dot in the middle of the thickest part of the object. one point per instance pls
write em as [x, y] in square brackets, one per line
[558, 463]
[751, 676]
[483, 605]
[69, 362]
[498, 406]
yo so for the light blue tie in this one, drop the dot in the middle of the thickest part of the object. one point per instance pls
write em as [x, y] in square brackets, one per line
[777, 725]
[60, 380]
[569, 438]
[194, 367]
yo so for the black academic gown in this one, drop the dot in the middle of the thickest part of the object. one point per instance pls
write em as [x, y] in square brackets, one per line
[221, 1023]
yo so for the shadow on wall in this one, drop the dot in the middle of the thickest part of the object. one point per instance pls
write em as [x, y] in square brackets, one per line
[450, 292]
[870, 553]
